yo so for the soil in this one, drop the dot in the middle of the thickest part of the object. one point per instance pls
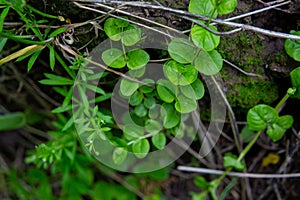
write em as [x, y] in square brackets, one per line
[252, 52]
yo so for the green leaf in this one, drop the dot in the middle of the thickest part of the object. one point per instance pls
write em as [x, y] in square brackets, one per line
[137, 73]
[185, 105]
[12, 121]
[226, 6]
[259, 116]
[121, 23]
[154, 112]
[231, 160]
[52, 57]
[131, 35]
[180, 74]
[114, 58]
[208, 63]
[127, 87]
[153, 126]
[170, 117]
[165, 90]
[145, 88]
[159, 140]
[277, 129]
[292, 47]
[149, 102]
[56, 80]
[33, 59]
[112, 29]
[133, 131]
[246, 134]
[57, 31]
[204, 39]
[140, 110]
[295, 79]
[203, 7]
[137, 58]
[201, 182]
[94, 88]
[2, 18]
[119, 155]
[2, 43]
[182, 50]
[199, 196]
[141, 148]
[136, 98]
[194, 91]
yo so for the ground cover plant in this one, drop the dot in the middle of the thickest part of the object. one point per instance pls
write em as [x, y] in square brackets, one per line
[138, 100]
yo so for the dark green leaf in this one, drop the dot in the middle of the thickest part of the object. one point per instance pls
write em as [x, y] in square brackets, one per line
[140, 110]
[153, 126]
[56, 80]
[2, 18]
[112, 30]
[201, 182]
[141, 148]
[259, 116]
[147, 89]
[136, 98]
[277, 129]
[182, 50]
[165, 90]
[11, 121]
[114, 58]
[2, 43]
[52, 57]
[149, 102]
[159, 140]
[170, 116]
[295, 79]
[204, 39]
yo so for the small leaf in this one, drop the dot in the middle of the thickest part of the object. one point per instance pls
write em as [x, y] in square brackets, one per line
[165, 90]
[292, 47]
[140, 110]
[141, 148]
[226, 6]
[149, 102]
[159, 140]
[137, 58]
[145, 88]
[131, 35]
[112, 30]
[119, 155]
[295, 79]
[2, 17]
[203, 7]
[33, 59]
[153, 126]
[208, 63]
[201, 182]
[133, 131]
[231, 160]
[137, 73]
[2, 43]
[182, 50]
[11, 121]
[170, 116]
[56, 80]
[57, 31]
[136, 98]
[277, 129]
[246, 134]
[185, 105]
[52, 57]
[114, 58]
[180, 74]
[128, 87]
[259, 116]
[194, 91]
[204, 39]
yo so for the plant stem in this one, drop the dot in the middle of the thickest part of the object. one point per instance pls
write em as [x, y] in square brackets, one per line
[249, 146]
[284, 99]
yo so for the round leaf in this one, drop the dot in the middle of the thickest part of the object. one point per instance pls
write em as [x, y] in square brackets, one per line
[114, 58]
[295, 79]
[292, 47]
[203, 7]
[276, 130]
[137, 58]
[140, 110]
[203, 38]
[165, 91]
[133, 131]
[147, 89]
[136, 98]
[180, 74]
[209, 63]
[185, 105]
[127, 87]
[259, 116]
[131, 35]
[112, 30]
[119, 155]
[149, 102]
[159, 140]
[152, 126]
[182, 50]
[171, 118]
[141, 148]
[137, 73]
[194, 91]
[226, 6]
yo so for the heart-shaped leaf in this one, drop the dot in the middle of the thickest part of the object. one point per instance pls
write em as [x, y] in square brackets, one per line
[259, 116]
[226, 6]
[277, 129]
[292, 47]
[185, 105]
[203, 7]
[231, 160]
[194, 91]
[114, 58]
[112, 30]
[182, 50]
[141, 148]
[295, 79]
[137, 58]
[180, 74]
[159, 140]
[208, 63]
[128, 87]
[131, 35]
[203, 38]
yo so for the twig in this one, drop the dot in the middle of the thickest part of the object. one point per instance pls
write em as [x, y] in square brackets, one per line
[242, 71]
[237, 174]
